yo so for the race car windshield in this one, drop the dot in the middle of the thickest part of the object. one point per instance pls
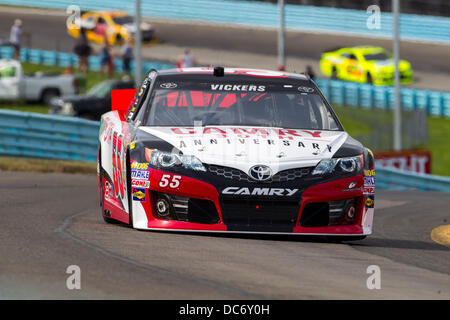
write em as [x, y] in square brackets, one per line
[284, 106]
[123, 20]
[377, 56]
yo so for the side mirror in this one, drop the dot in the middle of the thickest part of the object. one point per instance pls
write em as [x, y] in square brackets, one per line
[121, 100]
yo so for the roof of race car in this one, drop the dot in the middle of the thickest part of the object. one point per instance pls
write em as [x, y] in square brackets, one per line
[232, 72]
[364, 48]
[113, 13]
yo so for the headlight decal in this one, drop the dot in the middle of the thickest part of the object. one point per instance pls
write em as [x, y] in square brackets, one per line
[345, 165]
[163, 159]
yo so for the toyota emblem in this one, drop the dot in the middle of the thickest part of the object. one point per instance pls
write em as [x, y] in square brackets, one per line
[260, 173]
[168, 85]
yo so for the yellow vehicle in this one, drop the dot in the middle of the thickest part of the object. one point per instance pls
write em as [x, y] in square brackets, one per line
[365, 64]
[115, 26]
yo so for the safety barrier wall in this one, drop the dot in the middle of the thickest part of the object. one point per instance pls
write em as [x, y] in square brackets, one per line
[253, 13]
[24, 134]
[339, 92]
[382, 97]
[66, 59]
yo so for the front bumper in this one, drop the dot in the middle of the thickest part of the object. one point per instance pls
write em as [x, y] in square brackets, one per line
[322, 209]
[388, 78]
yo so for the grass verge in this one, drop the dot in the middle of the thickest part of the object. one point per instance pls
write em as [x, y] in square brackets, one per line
[357, 122]
[44, 165]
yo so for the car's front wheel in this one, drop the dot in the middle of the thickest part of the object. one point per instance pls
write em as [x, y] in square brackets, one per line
[102, 200]
[47, 96]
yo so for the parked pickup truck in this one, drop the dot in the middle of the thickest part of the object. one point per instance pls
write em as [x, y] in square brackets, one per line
[40, 87]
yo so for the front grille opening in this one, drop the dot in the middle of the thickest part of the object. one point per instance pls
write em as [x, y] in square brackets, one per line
[259, 215]
[202, 211]
[185, 209]
[239, 175]
[315, 215]
[331, 213]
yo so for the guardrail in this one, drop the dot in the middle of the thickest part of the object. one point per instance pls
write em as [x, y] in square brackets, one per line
[340, 92]
[66, 59]
[25, 134]
[253, 13]
[368, 96]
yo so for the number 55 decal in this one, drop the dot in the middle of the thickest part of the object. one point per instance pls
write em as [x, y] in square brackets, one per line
[171, 181]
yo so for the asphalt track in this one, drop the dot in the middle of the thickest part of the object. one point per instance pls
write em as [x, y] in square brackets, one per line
[236, 45]
[52, 221]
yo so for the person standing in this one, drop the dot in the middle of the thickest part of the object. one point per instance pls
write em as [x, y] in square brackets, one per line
[127, 56]
[105, 58]
[310, 72]
[83, 50]
[187, 60]
[15, 37]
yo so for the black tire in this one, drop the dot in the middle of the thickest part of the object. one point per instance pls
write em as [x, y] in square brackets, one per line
[369, 78]
[338, 239]
[48, 94]
[334, 75]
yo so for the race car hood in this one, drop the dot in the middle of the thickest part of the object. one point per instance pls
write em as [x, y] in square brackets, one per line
[244, 147]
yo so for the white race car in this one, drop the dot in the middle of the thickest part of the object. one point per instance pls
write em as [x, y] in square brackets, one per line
[233, 150]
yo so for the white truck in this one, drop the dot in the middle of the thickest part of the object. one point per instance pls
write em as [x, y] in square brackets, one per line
[15, 85]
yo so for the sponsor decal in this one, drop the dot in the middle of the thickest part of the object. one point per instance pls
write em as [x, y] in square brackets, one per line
[139, 174]
[108, 191]
[139, 165]
[370, 201]
[247, 133]
[369, 182]
[139, 171]
[305, 89]
[369, 178]
[140, 183]
[259, 191]
[351, 187]
[368, 190]
[138, 194]
[238, 87]
[317, 148]
[168, 85]
[407, 160]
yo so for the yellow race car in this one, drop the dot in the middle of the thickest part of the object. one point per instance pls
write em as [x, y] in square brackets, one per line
[115, 26]
[365, 64]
